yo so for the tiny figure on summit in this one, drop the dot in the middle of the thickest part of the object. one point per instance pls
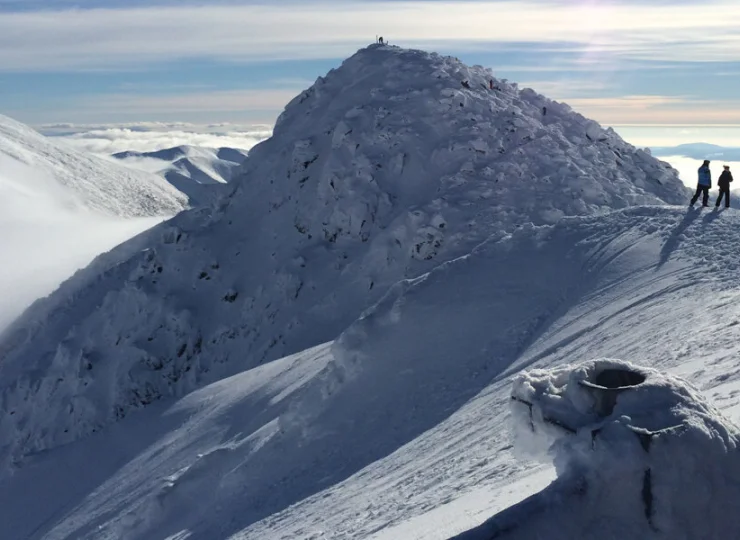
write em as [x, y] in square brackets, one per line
[724, 186]
[703, 185]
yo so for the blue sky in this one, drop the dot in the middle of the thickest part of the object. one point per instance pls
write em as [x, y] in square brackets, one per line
[621, 62]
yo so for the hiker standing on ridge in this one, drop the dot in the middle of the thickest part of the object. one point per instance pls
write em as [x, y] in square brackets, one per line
[724, 186]
[703, 185]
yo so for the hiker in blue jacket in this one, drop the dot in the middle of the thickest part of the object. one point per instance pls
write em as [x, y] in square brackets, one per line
[705, 182]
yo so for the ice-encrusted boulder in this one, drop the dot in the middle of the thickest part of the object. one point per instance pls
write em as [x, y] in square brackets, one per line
[638, 453]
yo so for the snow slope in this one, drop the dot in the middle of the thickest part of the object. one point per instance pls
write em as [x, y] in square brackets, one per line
[61, 208]
[399, 428]
[196, 171]
[381, 171]
[84, 181]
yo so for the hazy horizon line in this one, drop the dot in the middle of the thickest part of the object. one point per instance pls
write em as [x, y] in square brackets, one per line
[184, 124]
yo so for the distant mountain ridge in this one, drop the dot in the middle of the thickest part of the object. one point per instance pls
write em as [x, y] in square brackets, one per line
[198, 172]
[699, 151]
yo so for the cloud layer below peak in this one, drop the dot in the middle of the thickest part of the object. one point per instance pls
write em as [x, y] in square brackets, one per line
[151, 136]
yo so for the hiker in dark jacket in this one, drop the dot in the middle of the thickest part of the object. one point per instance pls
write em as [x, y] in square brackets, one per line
[724, 186]
[703, 185]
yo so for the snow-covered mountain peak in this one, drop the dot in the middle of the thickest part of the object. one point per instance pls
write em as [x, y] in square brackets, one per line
[393, 163]
[404, 129]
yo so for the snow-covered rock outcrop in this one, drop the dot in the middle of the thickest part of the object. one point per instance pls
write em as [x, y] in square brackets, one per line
[383, 169]
[81, 181]
[639, 454]
[196, 171]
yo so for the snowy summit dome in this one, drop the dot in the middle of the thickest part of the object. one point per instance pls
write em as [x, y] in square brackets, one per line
[393, 163]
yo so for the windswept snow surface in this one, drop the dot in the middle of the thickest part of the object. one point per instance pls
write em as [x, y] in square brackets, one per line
[399, 428]
[198, 172]
[86, 182]
[379, 172]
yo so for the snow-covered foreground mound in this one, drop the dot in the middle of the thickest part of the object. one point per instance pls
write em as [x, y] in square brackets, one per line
[382, 170]
[80, 181]
[638, 454]
[398, 429]
[196, 171]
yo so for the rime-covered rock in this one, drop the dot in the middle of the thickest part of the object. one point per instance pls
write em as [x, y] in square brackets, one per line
[639, 454]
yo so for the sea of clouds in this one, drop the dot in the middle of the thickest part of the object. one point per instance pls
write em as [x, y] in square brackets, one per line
[46, 235]
[150, 136]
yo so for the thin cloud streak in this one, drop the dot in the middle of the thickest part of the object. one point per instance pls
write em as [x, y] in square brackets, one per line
[557, 89]
[273, 100]
[246, 107]
[656, 110]
[130, 38]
